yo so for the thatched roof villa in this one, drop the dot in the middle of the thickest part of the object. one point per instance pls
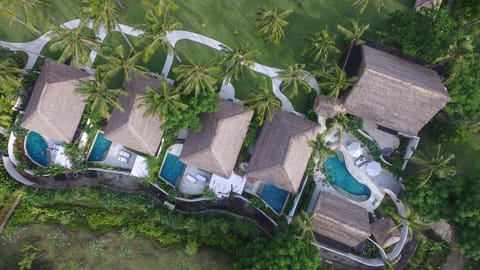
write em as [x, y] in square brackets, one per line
[130, 127]
[282, 151]
[384, 232]
[395, 93]
[216, 147]
[55, 109]
[339, 220]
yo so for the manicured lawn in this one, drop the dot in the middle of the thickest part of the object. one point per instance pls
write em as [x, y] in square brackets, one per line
[249, 84]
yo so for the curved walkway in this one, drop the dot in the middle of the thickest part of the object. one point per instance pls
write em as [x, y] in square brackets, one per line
[34, 48]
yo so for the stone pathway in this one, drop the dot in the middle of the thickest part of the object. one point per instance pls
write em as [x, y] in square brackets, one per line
[33, 49]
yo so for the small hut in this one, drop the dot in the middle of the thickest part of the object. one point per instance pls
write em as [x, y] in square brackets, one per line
[326, 107]
[419, 4]
[384, 232]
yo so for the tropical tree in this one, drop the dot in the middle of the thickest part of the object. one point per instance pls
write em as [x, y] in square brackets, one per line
[30, 10]
[10, 78]
[118, 61]
[196, 79]
[75, 45]
[305, 221]
[101, 98]
[104, 12]
[161, 6]
[264, 102]
[361, 5]
[295, 76]
[334, 81]
[237, 62]
[270, 24]
[165, 102]
[322, 47]
[436, 164]
[29, 255]
[352, 35]
[321, 149]
[155, 30]
[462, 52]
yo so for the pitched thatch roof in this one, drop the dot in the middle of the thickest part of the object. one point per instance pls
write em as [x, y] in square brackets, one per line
[282, 151]
[340, 220]
[131, 128]
[395, 93]
[54, 109]
[326, 107]
[382, 234]
[216, 147]
[427, 3]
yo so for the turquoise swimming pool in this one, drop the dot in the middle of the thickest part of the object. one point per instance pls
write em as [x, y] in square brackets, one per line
[342, 179]
[100, 148]
[275, 197]
[172, 169]
[37, 149]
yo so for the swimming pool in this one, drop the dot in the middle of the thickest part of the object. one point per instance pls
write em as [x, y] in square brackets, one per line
[100, 148]
[275, 197]
[37, 149]
[172, 169]
[342, 179]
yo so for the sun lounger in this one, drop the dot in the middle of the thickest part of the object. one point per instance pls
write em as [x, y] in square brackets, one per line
[124, 154]
[360, 161]
[122, 159]
[201, 178]
[190, 178]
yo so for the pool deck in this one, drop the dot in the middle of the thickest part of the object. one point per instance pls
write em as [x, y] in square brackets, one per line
[114, 153]
[193, 188]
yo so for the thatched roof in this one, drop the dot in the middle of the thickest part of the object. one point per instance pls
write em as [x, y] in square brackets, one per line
[282, 151]
[54, 109]
[340, 220]
[326, 107]
[395, 93]
[216, 147]
[427, 3]
[382, 234]
[131, 128]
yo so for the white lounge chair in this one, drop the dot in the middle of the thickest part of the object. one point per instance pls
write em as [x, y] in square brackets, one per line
[360, 161]
[201, 178]
[122, 159]
[124, 154]
[190, 178]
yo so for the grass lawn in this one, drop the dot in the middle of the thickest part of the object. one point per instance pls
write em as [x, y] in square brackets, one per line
[250, 83]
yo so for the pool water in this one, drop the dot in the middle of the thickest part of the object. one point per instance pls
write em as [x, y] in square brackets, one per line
[172, 169]
[37, 148]
[341, 178]
[275, 197]
[100, 148]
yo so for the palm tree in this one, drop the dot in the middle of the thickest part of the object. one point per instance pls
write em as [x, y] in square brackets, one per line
[437, 165]
[352, 36]
[321, 150]
[9, 77]
[295, 76]
[100, 96]
[165, 102]
[334, 81]
[30, 10]
[459, 53]
[264, 102]
[160, 6]
[119, 61]
[103, 12]
[237, 62]
[155, 30]
[195, 78]
[75, 45]
[322, 46]
[361, 5]
[305, 221]
[270, 24]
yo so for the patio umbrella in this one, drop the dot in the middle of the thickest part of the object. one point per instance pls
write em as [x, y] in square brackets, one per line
[355, 149]
[374, 168]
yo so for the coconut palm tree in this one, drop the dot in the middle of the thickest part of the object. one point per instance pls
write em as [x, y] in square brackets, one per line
[155, 30]
[321, 150]
[294, 76]
[305, 221]
[165, 102]
[9, 77]
[461, 52]
[437, 165]
[196, 78]
[264, 102]
[361, 5]
[103, 12]
[30, 10]
[237, 62]
[322, 47]
[352, 36]
[334, 81]
[100, 96]
[160, 6]
[270, 24]
[75, 45]
[118, 61]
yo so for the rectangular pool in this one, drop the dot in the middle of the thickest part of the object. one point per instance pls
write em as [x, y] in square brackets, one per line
[100, 148]
[172, 169]
[275, 197]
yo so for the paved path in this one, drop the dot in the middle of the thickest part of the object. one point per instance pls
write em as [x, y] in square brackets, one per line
[34, 48]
